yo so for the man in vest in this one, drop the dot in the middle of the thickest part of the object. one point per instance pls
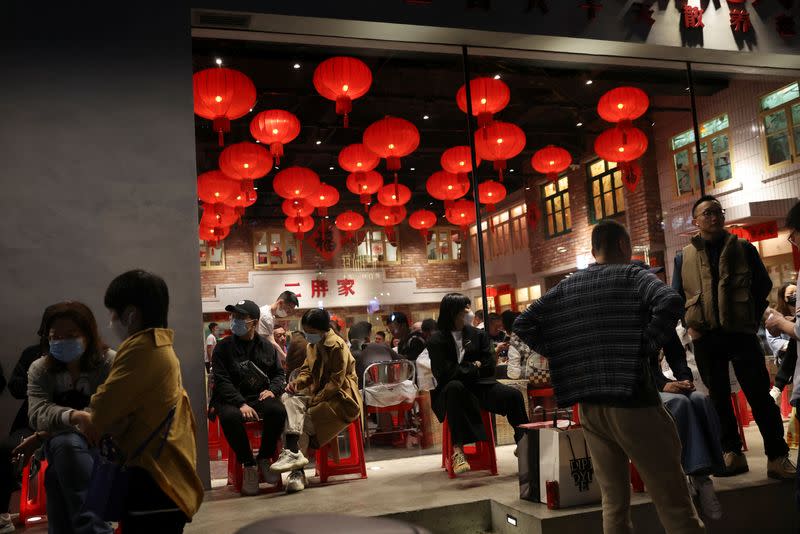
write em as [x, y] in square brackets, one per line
[725, 287]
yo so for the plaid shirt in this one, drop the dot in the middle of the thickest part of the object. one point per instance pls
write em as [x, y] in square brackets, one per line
[598, 328]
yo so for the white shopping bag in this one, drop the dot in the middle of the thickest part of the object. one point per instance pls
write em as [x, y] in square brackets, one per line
[425, 379]
[564, 457]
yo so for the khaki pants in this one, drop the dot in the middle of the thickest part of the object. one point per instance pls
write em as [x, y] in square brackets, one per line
[647, 436]
[297, 420]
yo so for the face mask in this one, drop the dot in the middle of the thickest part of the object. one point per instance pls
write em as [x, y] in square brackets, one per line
[67, 350]
[313, 338]
[280, 312]
[239, 327]
[469, 317]
[791, 300]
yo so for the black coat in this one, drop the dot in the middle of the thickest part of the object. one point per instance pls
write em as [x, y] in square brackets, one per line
[230, 360]
[445, 366]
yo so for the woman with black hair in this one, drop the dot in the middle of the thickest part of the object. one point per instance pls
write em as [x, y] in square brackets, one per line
[322, 401]
[462, 363]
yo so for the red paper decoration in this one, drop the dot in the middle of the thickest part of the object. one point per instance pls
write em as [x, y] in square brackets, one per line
[488, 97]
[422, 220]
[245, 197]
[222, 95]
[296, 182]
[218, 215]
[358, 158]
[275, 128]
[213, 187]
[323, 198]
[245, 161]
[297, 207]
[461, 213]
[498, 142]
[623, 146]
[299, 225]
[394, 195]
[623, 104]
[490, 193]
[550, 161]
[213, 235]
[446, 186]
[392, 138]
[364, 184]
[342, 79]
[349, 221]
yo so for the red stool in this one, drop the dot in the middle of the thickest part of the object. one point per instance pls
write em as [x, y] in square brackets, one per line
[636, 480]
[786, 408]
[354, 464]
[739, 417]
[33, 498]
[481, 456]
[235, 470]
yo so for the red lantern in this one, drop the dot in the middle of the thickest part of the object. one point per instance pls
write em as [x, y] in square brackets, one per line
[349, 222]
[213, 235]
[388, 217]
[213, 187]
[392, 138]
[222, 95]
[490, 193]
[299, 225]
[488, 97]
[446, 186]
[394, 195]
[458, 160]
[275, 128]
[342, 79]
[623, 105]
[624, 146]
[245, 197]
[296, 182]
[245, 161]
[358, 158]
[498, 142]
[364, 184]
[422, 220]
[461, 213]
[550, 161]
[218, 215]
[297, 207]
[323, 198]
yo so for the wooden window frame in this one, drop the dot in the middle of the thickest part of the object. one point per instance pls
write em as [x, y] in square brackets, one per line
[564, 213]
[786, 107]
[368, 236]
[517, 228]
[609, 171]
[204, 265]
[283, 233]
[706, 140]
[435, 237]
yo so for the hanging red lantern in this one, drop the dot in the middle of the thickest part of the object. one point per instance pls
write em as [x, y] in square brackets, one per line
[550, 161]
[623, 105]
[222, 95]
[245, 197]
[215, 215]
[388, 217]
[213, 187]
[358, 158]
[296, 182]
[275, 127]
[297, 207]
[446, 186]
[422, 220]
[299, 226]
[458, 160]
[348, 223]
[212, 235]
[394, 195]
[461, 213]
[245, 161]
[623, 146]
[392, 138]
[491, 193]
[342, 79]
[323, 198]
[364, 184]
[488, 97]
[499, 142]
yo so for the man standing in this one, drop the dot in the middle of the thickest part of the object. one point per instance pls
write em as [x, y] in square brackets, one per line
[725, 286]
[282, 308]
[211, 342]
[411, 343]
[599, 358]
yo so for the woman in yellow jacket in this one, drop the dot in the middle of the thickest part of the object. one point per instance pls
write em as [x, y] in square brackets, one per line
[142, 388]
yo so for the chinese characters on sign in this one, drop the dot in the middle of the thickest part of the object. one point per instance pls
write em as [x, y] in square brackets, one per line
[319, 288]
[346, 287]
[756, 232]
[740, 20]
[692, 17]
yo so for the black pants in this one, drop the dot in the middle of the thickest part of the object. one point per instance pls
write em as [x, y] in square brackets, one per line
[712, 352]
[9, 477]
[463, 405]
[273, 419]
[149, 509]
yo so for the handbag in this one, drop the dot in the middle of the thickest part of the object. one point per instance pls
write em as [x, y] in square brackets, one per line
[108, 485]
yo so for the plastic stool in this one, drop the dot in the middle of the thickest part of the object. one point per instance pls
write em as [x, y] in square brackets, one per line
[738, 415]
[786, 408]
[353, 464]
[636, 480]
[481, 456]
[235, 469]
[33, 498]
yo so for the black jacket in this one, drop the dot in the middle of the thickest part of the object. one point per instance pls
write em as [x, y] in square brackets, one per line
[412, 346]
[18, 384]
[231, 374]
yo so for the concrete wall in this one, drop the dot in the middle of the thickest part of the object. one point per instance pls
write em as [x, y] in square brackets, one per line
[98, 170]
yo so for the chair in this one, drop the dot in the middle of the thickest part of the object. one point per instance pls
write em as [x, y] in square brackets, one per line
[33, 498]
[481, 455]
[739, 416]
[395, 374]
[353, 464]
[235, 470]
[217, 445]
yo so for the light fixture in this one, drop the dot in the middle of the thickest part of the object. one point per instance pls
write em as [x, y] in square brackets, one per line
[510, 170]
[255, 189]
[527, 189]
[511, 520]
[413, 168]
[425, 117]
[257, 141]
[496, 76]
[686, 89]
[297, 65]
[578, 124]
[330, 168]
[251, 109]
[589, 82]
[218, 61]
[319, 142]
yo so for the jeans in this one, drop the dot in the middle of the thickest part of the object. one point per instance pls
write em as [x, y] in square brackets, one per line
[698, 428]
[273, 418]
[712, 352]
[66, 482]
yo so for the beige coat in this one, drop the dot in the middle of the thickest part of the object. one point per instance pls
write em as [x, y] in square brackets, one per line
[329, 370]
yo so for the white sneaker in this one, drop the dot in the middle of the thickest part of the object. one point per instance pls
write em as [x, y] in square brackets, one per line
[270, 477]
[289, 461]
[704, 488]
[6, 525]
[296, 481]
[250, 480]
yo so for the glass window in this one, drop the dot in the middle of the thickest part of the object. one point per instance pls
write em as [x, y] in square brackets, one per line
[376, 248]
[608, 197]
[444, 245]
[780, 97]
[715, 135]
[212, 258]
[780, 118]
[275, 249]
[555, 196]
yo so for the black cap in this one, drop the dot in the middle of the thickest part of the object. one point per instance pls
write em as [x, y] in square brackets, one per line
[247, 307]
[398, 317]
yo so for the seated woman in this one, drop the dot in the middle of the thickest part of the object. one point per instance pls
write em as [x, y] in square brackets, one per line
[782, 345]
[59, 388]
[322, 401]
[463, 366]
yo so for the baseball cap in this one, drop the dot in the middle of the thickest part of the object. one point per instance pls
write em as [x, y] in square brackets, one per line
[247, 307]
[398, 317]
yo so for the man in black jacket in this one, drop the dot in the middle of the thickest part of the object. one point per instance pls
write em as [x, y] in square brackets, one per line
[411, 343]
[248, 383]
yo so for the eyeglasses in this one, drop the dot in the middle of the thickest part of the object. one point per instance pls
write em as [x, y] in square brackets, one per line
[711, 212]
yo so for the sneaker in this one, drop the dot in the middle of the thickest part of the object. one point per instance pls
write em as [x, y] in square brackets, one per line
[704, 489]
[296, 481]
[735, 464]
[289, 461]
[781, 468]
[270, 477]
[460, 464]
[249, 480]
[6, 525]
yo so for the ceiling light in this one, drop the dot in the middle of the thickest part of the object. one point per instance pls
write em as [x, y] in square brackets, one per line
[496, 76]
[276, 167]
[257, 141]
[425, 117]
[218, 61]
[527, 189]
[251, 109]
[319, 142]
[330, 168]
[579, 124]
[255, 189]
[589, 82]
[510, 170]
[686, 89]
[297, 65]
[413, 168]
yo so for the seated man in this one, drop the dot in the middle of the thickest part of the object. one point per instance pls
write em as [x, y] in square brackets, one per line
[248, 379]
[322, 401]
[411, 343]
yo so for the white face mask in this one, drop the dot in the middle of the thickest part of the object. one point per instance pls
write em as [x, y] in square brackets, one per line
[280, 312]
[469, 317]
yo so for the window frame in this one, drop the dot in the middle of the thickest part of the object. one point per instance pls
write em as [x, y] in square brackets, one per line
[565, 211]
[515, 225]
[368, 235]
[434, 235]
[268, 230]
[609, 171]
[204, 265]
[689, 149]
[786, 107]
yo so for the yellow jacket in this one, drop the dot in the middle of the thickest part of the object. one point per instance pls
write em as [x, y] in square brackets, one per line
[143, 385]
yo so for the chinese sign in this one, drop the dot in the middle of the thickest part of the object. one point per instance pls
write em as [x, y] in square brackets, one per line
[756, 232]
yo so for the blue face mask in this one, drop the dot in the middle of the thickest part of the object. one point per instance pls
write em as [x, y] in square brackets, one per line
[239, 327]
[67, 350]
[313, 338]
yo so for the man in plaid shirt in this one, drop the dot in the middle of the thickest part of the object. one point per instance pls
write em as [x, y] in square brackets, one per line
[598, 328]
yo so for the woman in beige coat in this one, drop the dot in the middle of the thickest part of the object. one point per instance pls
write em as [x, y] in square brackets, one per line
[322, 401]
